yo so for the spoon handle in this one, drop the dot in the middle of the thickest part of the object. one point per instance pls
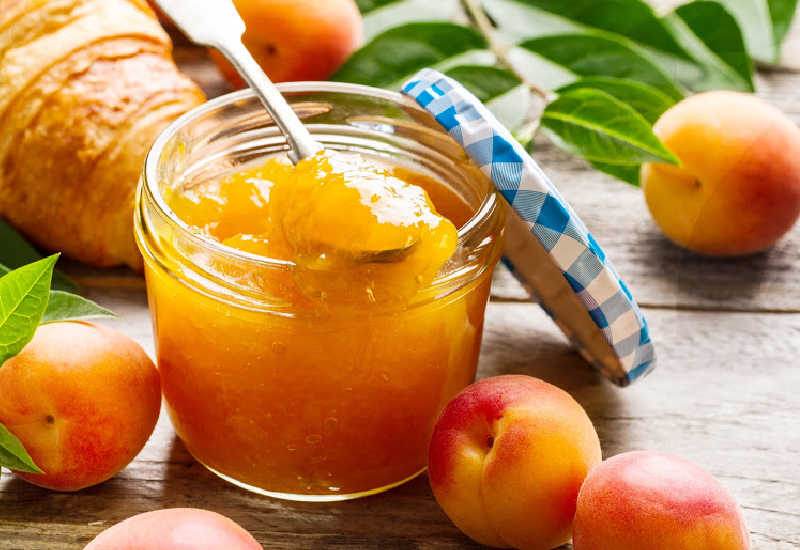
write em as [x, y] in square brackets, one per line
[298, 137]
[217, 24]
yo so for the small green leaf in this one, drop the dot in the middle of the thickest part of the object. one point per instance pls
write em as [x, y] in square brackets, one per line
[13, 455]
[64, 306]
[24, 293]
[720, 33]
[600, 54]
[366, 6]
[401, 51]
[781, 13]
[629, 173]
[756, 22]
[485, 82]
[633, 19]
[764, 25]
[512, 109]
[646, 100]
[16, 252]
[384, 15]
[601, 128]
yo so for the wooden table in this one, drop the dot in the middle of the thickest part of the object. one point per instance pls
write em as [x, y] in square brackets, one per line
[725, 393]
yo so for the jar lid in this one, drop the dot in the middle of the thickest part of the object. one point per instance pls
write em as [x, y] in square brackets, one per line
[548, 247]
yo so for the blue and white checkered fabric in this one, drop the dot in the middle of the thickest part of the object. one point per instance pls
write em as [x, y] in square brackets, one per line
[549, 217]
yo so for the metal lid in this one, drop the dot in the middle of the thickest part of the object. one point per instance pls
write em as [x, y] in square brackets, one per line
[548, 247]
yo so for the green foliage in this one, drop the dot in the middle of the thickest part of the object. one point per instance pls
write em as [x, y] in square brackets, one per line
[764, 24]
[718, 31]
[13, 455]
[597, 54]
[16, 252]
[486, 83]
[64, 306]
[628, 63]
[24, 293]
[633, 19]
[781, 13]
[602, 129]
[646, 100]
[366, 6]
[629, 173]
[399, 52]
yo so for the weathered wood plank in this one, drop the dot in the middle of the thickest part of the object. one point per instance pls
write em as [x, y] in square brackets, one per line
[711, 401]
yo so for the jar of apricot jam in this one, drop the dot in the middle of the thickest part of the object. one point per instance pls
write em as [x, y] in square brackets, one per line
[297, 382]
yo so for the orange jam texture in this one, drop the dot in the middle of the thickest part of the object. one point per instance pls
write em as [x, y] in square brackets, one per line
[319, 401]
[375, 227]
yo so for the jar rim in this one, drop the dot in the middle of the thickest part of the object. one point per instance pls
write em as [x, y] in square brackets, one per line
[468, 230]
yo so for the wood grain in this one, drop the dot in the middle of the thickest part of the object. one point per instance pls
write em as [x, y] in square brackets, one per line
[709, 401]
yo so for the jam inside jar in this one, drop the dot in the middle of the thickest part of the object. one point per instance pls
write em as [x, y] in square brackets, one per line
[295, 382]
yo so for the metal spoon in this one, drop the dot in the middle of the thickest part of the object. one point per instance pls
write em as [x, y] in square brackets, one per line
[217, 24]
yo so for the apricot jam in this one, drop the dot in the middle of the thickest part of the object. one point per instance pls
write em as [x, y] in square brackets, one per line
[312, 321]
[356, 231]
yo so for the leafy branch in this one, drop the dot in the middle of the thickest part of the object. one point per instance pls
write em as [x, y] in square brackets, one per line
[484, 25]
[601, 72]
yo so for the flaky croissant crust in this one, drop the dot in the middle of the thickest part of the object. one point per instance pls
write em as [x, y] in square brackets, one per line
[85, 88]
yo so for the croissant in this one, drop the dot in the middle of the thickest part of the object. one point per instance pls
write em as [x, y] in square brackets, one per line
[85, 88]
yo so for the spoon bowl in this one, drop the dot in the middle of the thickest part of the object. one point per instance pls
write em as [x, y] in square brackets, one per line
[218, 25]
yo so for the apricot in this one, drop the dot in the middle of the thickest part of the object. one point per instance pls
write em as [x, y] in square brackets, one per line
[175, 529]
[656, 501]
[737, 190]
[507, 459]
[297, 39]
[83, 400]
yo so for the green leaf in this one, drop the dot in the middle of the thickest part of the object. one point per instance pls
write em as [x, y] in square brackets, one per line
[719, 31]
[512, 109]
[516, 21]
[399, 52]
[764, 25]
[756, 22]
[599, 54]
[485, 82]
[602, 129]
[24, 293]
[629, 173]
[16, 252]
[366, 6]
[13, 455]
[64, 306]
[383, 15]
[633, 19]
[646, 100]
[781, 13]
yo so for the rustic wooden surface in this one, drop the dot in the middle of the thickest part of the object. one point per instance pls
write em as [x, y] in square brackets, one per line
[725, 394]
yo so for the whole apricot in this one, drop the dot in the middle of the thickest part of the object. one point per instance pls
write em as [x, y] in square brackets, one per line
[82, 399]
[175, 529]
[507, 459]
[656, 501]
[297, 39]
[737, 190]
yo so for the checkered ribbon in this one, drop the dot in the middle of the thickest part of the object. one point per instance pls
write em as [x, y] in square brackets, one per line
[549, 218]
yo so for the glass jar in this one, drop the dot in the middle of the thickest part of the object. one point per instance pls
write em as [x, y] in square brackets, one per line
[329, 405]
